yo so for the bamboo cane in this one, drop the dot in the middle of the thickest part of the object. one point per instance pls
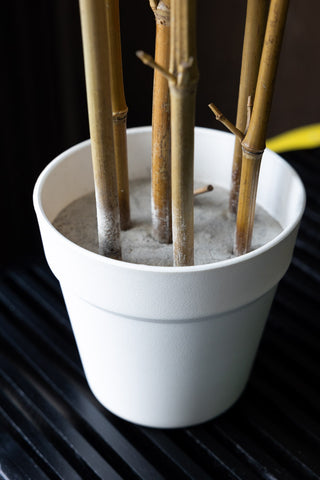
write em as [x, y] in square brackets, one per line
[182, 99]
[161, 148]
[256, 18]
[96, 62]
[120, 111]
[253, 144]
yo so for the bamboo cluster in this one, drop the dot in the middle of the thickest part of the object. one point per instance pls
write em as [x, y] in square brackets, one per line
[253, 144]
[174, 94]
[182, 78]
[251, 129]
[256, 19]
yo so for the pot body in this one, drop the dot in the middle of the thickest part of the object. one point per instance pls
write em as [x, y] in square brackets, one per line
[168, 346]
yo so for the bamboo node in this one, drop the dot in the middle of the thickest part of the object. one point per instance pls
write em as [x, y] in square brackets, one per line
[161, 12]
[120, 116]
[251, 150]
[184, 73]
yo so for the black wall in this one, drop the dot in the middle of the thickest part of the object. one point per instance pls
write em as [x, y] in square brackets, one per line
[43, 104]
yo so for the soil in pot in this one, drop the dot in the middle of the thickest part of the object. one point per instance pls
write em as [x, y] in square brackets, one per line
[214, 227]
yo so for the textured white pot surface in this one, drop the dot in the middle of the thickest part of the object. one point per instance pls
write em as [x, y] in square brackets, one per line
[168, 346]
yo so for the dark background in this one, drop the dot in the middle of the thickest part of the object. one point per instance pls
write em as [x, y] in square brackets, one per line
[43, 103]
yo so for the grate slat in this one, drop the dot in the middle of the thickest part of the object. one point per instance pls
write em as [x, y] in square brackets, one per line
[237, 437]
[297, 425]
[226, 461]
[184, 462]
[277, 434]
[45, 337]
[36, 294]
[33, 442]
[266, 428]
[9, 469]
[81, 405]
[72, 446]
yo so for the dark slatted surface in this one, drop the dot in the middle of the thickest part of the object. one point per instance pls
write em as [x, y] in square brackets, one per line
[51, 427]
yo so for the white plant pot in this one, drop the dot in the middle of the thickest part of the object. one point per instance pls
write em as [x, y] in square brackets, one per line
[168, 346]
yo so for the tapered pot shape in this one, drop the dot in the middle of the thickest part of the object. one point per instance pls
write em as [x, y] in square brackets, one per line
[168, 346]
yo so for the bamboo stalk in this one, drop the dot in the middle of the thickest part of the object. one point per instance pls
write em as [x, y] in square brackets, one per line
[120, 111]
[256, 18]
[96, 62]
[161, 143]
[247, 200]
[253, 144]
[182, 99]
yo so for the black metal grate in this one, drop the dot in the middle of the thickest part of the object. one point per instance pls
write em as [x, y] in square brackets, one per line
[51, 427]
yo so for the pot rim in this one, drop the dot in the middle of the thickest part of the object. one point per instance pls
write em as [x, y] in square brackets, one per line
[37, 193]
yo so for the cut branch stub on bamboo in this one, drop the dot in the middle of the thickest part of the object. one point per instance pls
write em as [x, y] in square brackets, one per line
[183, 67]
[256, 18]
[253, 143]
[201, 190]
[161, 142]
[120, 111]
[96, 62]
[148, 60]
[222, 119]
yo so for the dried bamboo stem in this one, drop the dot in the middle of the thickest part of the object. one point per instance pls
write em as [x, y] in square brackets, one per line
[120, 111]
[247, 201]
[249, 112]
[161, 142]
[96, 62]
[256, 18]
[253, 144]
[182, 99]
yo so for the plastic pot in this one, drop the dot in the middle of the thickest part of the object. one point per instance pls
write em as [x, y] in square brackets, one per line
[168, 346]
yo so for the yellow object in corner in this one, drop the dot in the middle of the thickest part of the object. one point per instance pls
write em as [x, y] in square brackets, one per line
[298, 139]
